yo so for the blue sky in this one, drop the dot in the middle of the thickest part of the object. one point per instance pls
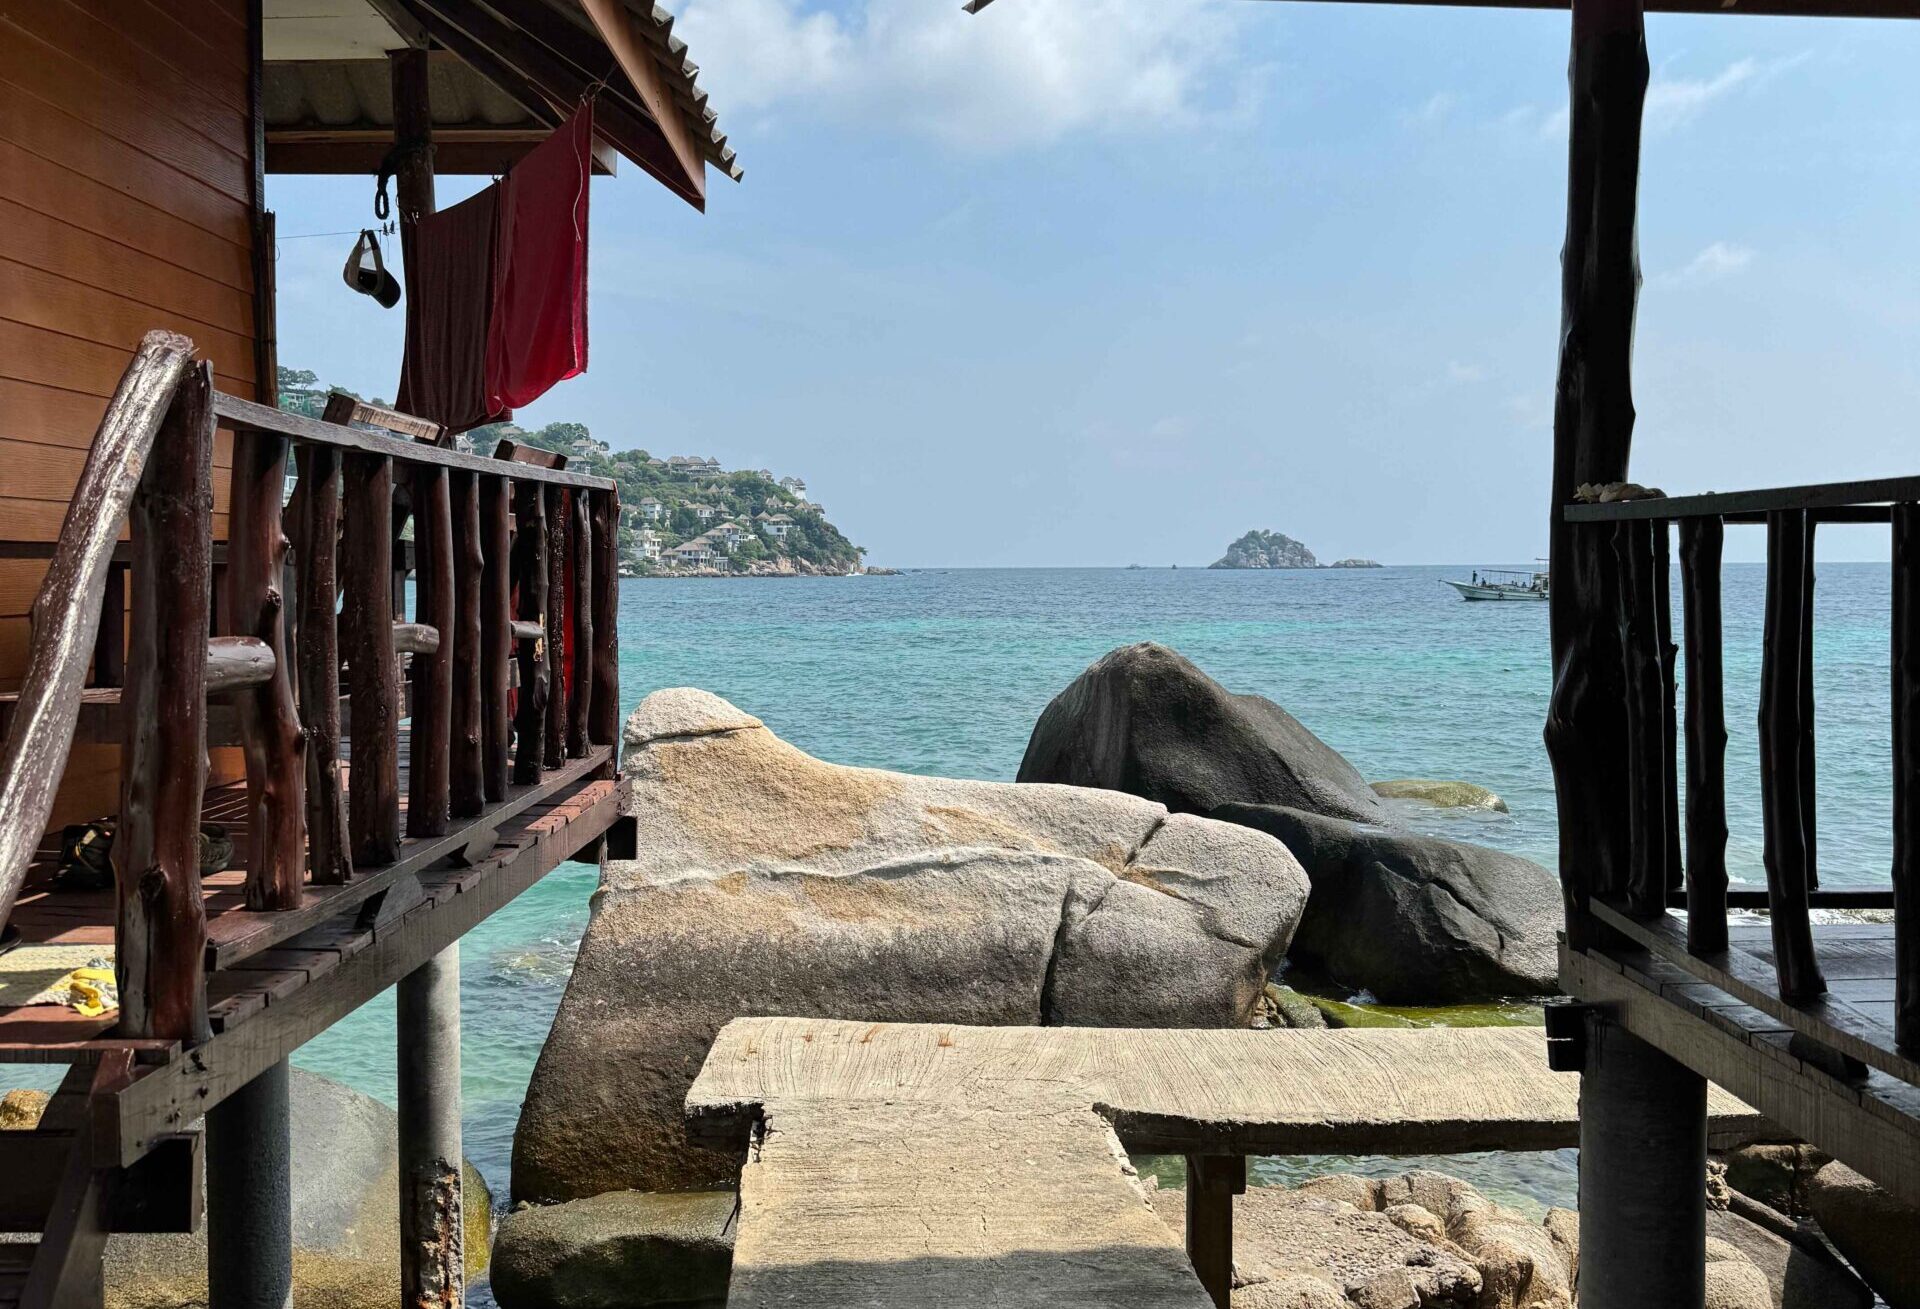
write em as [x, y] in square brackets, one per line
[1112, 281]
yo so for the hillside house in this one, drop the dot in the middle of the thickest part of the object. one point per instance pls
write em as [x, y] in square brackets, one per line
[778, 525]
[652, 510]
[705, 513]
[794, 486]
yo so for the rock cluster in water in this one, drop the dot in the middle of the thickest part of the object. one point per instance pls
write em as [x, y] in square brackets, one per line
[1413, 919]
[1258, 549]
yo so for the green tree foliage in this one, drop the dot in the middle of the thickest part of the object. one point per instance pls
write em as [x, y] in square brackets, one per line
[741, 495]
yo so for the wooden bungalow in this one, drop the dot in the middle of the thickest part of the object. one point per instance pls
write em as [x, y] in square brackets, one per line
[180, 643]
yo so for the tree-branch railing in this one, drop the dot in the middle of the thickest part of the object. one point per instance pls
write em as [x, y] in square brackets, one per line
[1680, 861]
[308, 607]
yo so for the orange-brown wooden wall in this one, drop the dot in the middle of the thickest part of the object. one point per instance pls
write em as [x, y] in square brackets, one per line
[126, 194]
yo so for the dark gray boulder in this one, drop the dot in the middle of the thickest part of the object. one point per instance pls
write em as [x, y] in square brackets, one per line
[1145, 720]
[1416, 919]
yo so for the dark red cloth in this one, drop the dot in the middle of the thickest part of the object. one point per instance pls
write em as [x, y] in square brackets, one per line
[538, 334]
[450, 294]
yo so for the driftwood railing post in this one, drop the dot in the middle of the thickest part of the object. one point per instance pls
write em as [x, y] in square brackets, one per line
[373, 781]
[467, 783]
[66, 609]
[270, 731]
[161, 936]
[559, 637]
[603, 724]
[1645, 781]
[319, 655]
[1669, 708]
[1906, 774]
[496, 635]
[1782, 753]
[1700, 545]
[530, 566]
[1808, 807]
[428, 783]
[580, 604]
[1642, 1115]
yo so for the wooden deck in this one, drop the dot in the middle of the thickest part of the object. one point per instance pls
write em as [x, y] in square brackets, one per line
[917, 1164]
[1722, 1016]
[260, 959]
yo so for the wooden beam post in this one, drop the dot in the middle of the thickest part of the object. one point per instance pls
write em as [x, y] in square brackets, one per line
[1212, 1182]
[274, 742]
[413, 143]
[581, 600]
[1700, 544]
[160, 939]
[496, 635]
[319, 654]
[532, 574]
[466, 764]
[1783, 756]
[603, 724]
[373, 784]
[1906, 775]
[1592, 435]
[428, 782]
[559, 638]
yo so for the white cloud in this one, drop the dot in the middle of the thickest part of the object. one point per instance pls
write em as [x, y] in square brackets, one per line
[1021, 73]
[1721, 259]
[1459, 372]
[1437, 106]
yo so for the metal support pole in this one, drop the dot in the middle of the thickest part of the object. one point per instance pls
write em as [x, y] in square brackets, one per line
[1643, 1159]
[250, 1196]
[432, 1255]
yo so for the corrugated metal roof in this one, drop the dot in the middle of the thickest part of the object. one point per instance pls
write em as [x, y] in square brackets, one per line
[320, 75]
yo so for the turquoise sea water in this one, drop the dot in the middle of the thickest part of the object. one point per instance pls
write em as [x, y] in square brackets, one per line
[944, 672]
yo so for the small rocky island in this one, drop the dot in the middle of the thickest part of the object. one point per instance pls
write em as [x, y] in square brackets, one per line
[1258, 549]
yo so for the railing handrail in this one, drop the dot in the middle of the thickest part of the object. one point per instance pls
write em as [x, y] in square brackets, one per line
[66, 609]
[1753, 505]
[247, 415]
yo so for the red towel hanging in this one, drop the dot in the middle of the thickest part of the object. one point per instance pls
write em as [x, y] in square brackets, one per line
[537, 333]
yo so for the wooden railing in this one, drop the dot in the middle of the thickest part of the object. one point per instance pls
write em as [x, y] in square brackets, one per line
[308, 581]
[1674, 860]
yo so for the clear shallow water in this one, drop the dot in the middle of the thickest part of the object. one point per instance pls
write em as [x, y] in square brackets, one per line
[944, 672]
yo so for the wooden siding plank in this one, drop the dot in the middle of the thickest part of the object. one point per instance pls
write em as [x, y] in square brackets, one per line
[33, 354]
[34, 297]
[110, 53]
[76, 87]
[48, 187]
[51, 133]
[33, 238]
[217, 68]
[39, 520]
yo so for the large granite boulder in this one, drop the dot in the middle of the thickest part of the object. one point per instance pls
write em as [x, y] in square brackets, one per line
[346, 1215]
[1145, 720]
[1416, 919]
[771, 883]
[1872, 1229]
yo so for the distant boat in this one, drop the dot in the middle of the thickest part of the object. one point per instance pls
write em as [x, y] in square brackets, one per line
[1503, 584]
